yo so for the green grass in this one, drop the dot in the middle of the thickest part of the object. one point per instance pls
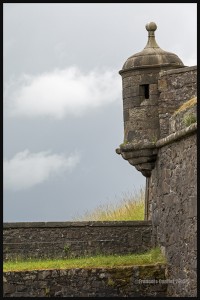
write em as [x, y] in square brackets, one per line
[189, 119]
[151, 257]
[130, 208]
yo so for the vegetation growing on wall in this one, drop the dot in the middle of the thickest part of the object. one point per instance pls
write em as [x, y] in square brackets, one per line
[189, 119]
[130, 208]
[150, 257]
[186, 105]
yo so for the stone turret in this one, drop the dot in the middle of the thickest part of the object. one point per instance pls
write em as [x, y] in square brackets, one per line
[140, 75]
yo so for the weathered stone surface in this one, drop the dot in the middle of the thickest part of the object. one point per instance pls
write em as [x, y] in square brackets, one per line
[178, 135]
[139, 153]
[173, 208]
[126, 115]
[72, 239]
[141, 160]
[145, 168]
[183, 119]
[176, 87]
[163, 115]
[140, 113]
[153, 89]
[128, 281]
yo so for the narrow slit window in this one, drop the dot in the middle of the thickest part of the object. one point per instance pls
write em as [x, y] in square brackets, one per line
[146, 91]
[144, 88]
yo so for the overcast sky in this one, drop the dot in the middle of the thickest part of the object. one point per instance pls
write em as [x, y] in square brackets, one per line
[63, 114]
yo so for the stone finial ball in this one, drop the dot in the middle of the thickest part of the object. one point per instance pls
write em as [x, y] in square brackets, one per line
[151, 26]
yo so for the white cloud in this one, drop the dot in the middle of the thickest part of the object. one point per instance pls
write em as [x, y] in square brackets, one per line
[26, 169]
[62, 92]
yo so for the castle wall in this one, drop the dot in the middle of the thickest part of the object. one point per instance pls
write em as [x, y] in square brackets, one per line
[176, 87]
[171, 192]
[172, 187]
[90, 282]
[73, 239]
[173, 206]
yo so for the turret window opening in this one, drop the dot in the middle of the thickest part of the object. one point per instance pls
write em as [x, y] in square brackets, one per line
[145, 90]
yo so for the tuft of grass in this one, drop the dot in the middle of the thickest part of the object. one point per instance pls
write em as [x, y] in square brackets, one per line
[130, 208]
[189, 119]
[153, 256]
[186, 105]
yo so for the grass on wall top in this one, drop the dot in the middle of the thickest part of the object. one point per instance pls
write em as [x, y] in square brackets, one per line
[130, 208]
[153, 256]
[186, 105]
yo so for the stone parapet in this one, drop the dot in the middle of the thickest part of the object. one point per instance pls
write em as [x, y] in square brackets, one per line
[176, 87]
[74, 239]
[127, 281]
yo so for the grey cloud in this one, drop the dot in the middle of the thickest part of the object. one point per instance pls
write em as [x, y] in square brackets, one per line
[26, 169]
[62, 92]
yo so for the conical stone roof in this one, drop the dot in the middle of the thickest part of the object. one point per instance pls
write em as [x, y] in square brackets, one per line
[152, 55]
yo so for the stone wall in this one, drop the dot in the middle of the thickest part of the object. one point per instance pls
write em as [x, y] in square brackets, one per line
[173, 203]
[172, 187]
[137, 110]
[72, 239]
[185, 116]
[175, 87]
[172, 207]
[127, 281]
